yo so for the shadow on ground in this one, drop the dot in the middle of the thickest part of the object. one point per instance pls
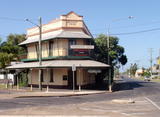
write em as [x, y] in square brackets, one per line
[121, 86]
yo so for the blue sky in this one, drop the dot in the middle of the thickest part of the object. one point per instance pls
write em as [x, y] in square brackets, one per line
[98, 14]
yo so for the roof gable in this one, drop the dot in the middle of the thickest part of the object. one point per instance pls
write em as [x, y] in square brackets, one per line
[71, 16]
[72, 13]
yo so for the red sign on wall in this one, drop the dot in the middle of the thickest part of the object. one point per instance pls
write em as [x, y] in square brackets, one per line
[80, 52]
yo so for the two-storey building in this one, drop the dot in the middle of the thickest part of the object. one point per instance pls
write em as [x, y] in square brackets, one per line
[66, 42]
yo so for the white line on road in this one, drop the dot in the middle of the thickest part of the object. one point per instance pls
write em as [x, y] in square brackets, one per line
[153, 103]
[126, 114]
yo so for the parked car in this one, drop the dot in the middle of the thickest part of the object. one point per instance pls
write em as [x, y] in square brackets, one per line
[147, 78]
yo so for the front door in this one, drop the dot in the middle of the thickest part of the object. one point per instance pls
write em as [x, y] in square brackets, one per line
[70, 79]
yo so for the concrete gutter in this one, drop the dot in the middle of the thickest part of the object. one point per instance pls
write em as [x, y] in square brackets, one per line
[26, 94]
[58, 94]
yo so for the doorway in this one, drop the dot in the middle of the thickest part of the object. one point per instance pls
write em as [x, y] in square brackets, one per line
[70, 79]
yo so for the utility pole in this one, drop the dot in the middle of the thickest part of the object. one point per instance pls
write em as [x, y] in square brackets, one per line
[151, 59]
[40, 53]
[108, 47]
[40, 49]
[109, 70]
[159, 63]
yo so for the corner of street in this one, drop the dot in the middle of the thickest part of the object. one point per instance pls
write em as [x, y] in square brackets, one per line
[133, 98]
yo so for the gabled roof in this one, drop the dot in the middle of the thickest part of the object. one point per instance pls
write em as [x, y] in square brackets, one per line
[57, 29]
[59, 34]
[72, 12]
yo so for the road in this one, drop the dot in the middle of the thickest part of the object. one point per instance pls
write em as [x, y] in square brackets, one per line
[145, 93]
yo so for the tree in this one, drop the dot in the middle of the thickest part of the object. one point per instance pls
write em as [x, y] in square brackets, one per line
[5, 59]
[10, 50]
[133, 69]
[116, 54]
[146, 73]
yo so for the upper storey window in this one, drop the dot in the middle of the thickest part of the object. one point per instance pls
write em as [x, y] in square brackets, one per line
[72, 42]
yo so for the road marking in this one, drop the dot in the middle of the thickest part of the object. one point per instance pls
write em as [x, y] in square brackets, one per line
[153, 103]
[126, 114]
[138, 113]
[94, 109]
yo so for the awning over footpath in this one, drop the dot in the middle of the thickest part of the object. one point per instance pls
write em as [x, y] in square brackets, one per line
[60, 64]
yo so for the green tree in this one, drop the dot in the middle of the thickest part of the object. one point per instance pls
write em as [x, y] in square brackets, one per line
[133, 69]
[116, 54]
[146, 73]
[10, 50]
[5, 59]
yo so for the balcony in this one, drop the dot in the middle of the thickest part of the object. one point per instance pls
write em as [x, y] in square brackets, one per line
[22, 56]
[75, 52]
[57, 57]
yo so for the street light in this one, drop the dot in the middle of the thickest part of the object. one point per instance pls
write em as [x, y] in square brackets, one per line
[108, 42]
[40, 48]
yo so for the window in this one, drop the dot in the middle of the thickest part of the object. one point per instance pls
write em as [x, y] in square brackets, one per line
[37, 50]
[51, 75]
[65, 77]
[88, 42]
[50, 48]
[72, 42]
[42, 78]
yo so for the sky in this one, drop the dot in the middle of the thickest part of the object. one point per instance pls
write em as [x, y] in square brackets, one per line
[98, 15]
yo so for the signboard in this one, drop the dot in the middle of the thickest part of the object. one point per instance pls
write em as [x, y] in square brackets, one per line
[80, 52]
[73, 67]
[94, 71]
[72, 23]
[82, 46]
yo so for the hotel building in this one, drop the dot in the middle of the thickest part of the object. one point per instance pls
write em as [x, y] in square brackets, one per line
[66, 45]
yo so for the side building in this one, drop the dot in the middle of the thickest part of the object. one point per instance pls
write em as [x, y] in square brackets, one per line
[66, 43]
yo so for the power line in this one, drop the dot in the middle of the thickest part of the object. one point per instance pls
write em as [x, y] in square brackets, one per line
[12, 19]
[129, 33]
[130, 26]
[138, 25]
[142, 31]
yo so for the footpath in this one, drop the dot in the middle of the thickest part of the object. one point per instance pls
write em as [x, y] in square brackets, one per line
[27, 93]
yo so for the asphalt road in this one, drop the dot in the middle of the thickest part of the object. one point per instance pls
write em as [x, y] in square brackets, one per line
[125, 88]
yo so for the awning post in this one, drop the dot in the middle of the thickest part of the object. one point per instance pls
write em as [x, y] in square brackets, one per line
[73, 70]
[31, 80]
[17, 82]
[47, 80]
[40, 79]
[6, 78]
[79, 78]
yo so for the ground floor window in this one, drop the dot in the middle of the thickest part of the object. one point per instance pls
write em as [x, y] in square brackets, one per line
[65, 77]
[42, 78]
[51, 75]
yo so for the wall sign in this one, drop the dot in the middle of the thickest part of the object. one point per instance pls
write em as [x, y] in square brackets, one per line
[82, 46]
[80, 52]
[94, 71]
[71, 23]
